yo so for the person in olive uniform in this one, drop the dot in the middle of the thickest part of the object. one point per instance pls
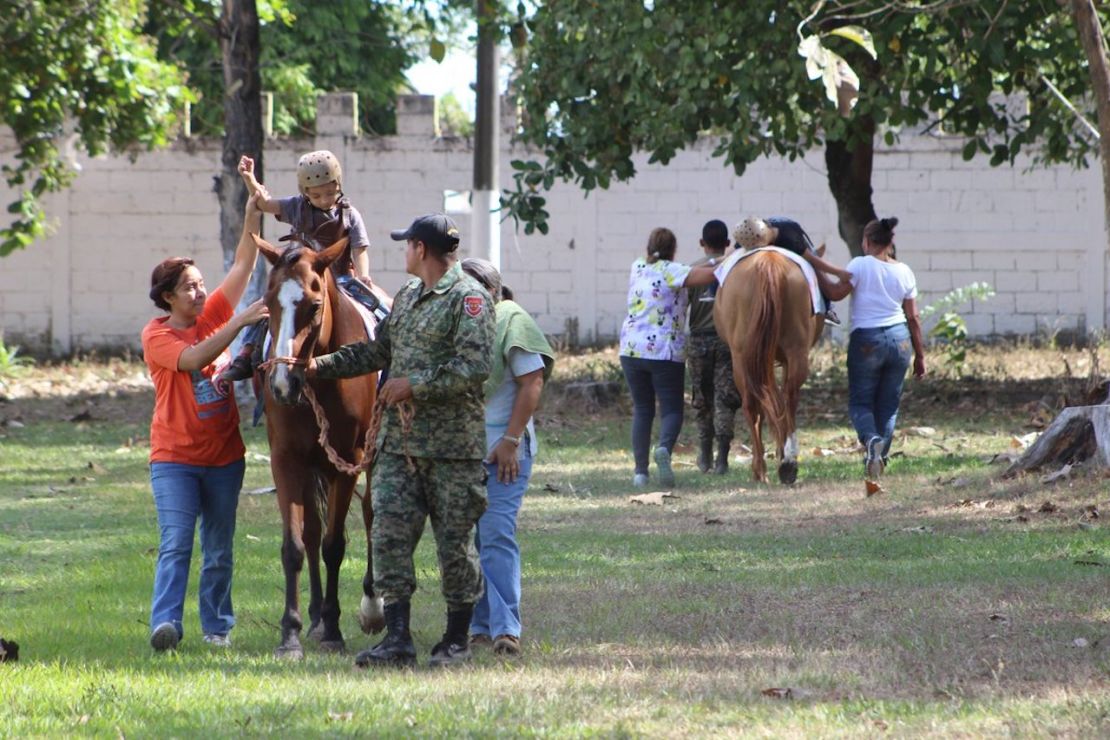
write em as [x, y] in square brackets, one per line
[437, 345]
[713, 391]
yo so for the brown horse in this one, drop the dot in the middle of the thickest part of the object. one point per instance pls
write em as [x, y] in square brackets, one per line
[310, 316]
[765, 314]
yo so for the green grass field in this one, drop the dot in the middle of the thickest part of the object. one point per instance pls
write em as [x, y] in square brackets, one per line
[957, 603]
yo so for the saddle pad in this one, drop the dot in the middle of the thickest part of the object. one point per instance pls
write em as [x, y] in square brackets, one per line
[725, 268]
[368, 319]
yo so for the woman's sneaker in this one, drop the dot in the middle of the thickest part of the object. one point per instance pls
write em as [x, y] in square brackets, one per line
[640, 480]
[222, 641]
[874, 458]
[164, 637]
[663, 462]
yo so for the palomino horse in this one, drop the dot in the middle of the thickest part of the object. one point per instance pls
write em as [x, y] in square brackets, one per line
[309, 316]
[765, 314]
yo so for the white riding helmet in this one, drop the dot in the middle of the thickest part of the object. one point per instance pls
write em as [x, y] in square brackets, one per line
[318, 168]
[752, 232]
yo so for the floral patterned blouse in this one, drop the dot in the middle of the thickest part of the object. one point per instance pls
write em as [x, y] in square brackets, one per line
[653, 329]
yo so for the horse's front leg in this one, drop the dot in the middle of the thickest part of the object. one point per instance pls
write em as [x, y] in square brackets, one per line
[292, 560]
[312, 540]
[333, 548]
[371, 613]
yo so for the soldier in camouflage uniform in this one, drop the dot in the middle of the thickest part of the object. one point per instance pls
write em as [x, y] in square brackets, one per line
[713, 389]
[437, 344]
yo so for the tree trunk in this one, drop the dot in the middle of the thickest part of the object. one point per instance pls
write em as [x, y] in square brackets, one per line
[1094, 44]
[239, 48]
[1078, 434]
[849, 164]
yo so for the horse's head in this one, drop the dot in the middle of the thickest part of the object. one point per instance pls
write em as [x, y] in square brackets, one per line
[298, 299]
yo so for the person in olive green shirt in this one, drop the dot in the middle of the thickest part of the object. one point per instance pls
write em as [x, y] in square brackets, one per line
[437, 345]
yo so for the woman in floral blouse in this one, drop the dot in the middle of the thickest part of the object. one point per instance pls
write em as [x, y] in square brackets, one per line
[653, 348]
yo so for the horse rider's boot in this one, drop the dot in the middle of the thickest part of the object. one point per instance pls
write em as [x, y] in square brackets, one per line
[455, 646]
[397, 649]
[723, 443]
[705, 454]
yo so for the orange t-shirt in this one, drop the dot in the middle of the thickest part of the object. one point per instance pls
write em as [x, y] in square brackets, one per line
[192, 423]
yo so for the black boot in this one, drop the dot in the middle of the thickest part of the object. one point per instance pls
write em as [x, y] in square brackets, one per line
[455, 645]
[705, 454]
[397, 648]
[723, 443]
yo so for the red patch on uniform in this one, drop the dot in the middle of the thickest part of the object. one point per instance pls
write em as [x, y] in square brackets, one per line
[474, 305]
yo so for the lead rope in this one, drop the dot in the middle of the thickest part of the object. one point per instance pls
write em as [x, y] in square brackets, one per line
[404, 409]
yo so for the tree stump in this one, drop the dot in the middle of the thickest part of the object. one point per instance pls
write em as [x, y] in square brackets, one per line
[1078, 434]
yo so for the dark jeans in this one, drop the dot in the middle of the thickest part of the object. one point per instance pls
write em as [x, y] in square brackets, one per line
[648, 379]
[877, 362]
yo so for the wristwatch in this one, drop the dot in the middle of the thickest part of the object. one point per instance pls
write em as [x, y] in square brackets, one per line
[514, 441]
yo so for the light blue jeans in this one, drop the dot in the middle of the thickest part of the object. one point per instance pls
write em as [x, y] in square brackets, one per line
[877, 362]
[182, 494]
[498, 611]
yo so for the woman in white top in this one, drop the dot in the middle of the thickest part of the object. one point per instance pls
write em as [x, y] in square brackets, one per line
[653, 348]
[885, 325]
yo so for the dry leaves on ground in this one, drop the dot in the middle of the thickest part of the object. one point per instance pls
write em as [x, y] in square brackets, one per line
[655, 498]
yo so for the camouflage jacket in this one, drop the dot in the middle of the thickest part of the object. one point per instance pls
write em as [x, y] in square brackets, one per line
[442, 341]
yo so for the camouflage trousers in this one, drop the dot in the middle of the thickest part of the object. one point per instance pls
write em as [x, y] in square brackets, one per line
[713, 390]
[449, 492]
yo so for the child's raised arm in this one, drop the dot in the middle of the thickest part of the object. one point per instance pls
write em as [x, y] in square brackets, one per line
[266, 204]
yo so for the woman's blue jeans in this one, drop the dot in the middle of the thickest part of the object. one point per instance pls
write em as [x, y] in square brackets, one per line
[498, 611]
[877, 362]
[182, 494]
[648, 379]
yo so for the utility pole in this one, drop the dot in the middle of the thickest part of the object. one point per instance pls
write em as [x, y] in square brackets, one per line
[486, 194]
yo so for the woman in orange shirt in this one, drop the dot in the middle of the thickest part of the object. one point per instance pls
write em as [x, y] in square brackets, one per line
[196, 453]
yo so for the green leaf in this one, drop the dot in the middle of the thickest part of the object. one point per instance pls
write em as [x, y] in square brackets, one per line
[437, 50]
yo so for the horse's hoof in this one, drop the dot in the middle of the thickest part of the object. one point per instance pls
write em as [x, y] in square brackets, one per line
[788, 472]
[333, 646]
[316, 631]
[289, 652]
[371, 615]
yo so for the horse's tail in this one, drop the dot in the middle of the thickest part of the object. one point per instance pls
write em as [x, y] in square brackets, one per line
[762, 331]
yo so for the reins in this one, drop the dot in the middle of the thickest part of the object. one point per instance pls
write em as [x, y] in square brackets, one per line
[404, 409]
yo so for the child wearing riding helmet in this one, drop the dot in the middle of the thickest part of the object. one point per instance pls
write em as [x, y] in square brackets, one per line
[777, 231]
[318, 217]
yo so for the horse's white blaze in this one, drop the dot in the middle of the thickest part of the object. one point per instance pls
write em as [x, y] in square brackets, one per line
[790, 448]
[289, 295]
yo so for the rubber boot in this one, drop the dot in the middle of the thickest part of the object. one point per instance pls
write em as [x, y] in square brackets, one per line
[705, 454]
[397, 649]
[723, 443]
[454, 648]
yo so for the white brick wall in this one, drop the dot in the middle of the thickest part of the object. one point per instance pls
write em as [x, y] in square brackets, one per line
[1035, 235]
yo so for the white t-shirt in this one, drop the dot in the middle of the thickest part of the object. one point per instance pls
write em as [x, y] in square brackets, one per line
[878, 289]
[499, 406]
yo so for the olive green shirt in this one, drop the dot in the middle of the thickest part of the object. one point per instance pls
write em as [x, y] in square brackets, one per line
[441, 339]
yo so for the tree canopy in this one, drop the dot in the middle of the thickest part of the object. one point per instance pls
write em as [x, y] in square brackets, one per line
[75, 70]
[306, 48]
[602, 81]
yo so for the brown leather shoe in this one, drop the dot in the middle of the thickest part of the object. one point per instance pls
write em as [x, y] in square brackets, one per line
[481, 641]
[508, 645]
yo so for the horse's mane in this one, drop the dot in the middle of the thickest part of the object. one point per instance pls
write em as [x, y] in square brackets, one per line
[291, 255]
[762, 338]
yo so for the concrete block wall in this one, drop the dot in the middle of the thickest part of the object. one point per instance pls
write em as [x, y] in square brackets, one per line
[1035, 235]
